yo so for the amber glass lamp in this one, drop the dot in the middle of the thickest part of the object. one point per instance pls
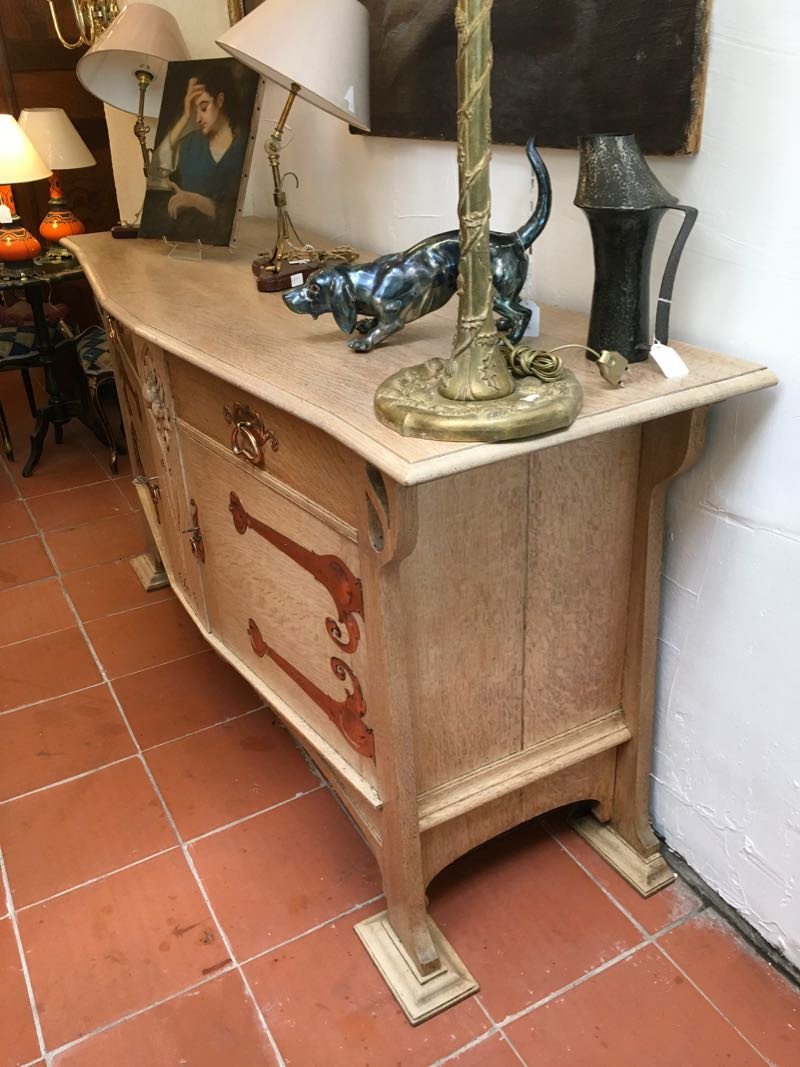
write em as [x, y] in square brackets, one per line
[61, 147]
[19, 162]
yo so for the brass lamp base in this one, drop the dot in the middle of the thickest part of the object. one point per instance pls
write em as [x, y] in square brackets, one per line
[410, 402]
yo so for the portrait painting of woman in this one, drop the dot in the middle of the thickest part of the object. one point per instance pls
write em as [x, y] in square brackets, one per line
[202, 144]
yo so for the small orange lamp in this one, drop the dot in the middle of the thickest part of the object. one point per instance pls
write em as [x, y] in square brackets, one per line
[61, 147]
[19, 162]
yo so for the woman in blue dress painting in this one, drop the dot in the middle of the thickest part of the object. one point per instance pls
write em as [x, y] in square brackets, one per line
[203, 155]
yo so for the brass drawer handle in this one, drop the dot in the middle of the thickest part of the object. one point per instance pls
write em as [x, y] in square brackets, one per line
[243, 443]
[249, 434]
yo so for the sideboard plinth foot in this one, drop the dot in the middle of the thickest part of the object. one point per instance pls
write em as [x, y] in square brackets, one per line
[647, 874]
[420, 996]
[150, 572]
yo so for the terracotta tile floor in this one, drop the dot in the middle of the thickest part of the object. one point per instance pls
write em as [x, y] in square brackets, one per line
[179, 888]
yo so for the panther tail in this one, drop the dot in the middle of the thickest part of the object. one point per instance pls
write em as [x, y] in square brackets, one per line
[536, 223]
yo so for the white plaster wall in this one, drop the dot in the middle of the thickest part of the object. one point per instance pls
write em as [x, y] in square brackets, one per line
[727, 766]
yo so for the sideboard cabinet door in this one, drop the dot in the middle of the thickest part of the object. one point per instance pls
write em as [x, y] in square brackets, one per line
[284, 597]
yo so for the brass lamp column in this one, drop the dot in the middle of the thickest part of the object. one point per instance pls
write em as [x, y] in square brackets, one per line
[477, 369]
[140, 127]
[487, 390]
[280, 269]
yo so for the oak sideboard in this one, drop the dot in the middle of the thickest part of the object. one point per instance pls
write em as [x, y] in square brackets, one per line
[462, 636]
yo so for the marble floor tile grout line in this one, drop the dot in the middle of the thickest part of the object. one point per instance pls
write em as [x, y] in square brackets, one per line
[26, 974]
[715, 1006]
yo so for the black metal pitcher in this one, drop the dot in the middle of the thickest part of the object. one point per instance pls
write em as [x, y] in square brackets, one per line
[624, 202]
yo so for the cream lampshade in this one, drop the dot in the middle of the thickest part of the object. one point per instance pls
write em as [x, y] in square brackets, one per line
[320, 45]
[127, 66]
[143, 38]
[317, 50]
[62, 148]
[19, 162]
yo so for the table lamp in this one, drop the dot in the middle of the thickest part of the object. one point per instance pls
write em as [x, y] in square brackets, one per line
[317, 50]
[19, 162]
[127, 66]
[62, 148]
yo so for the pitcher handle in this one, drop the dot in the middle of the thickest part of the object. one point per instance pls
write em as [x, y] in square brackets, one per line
[671, 269]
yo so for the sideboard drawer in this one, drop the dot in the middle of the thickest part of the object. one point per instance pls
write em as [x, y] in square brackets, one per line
[283, 594]
[262, 437]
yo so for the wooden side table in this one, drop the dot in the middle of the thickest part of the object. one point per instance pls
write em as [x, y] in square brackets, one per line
[59, 409]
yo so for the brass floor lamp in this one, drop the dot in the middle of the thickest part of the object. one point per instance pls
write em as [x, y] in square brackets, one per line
[486, 390]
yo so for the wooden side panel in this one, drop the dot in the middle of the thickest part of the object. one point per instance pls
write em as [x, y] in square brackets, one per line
[247, 577]
[581, 504]
[593, 779]
[462, 593]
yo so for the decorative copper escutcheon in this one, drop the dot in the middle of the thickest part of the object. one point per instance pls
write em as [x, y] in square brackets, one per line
[347, 715]
[330, 571]
[249, 435]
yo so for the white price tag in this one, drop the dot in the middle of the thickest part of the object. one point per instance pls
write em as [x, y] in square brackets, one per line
[671, 364]
[296, 279]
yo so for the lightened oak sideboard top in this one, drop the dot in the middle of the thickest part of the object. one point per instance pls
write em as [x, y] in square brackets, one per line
[210, 313]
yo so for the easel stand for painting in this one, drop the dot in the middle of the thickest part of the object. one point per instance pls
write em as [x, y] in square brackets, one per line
[192, 250]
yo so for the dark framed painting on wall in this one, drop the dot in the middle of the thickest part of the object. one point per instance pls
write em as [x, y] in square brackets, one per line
[562, 69]
[237, 9]
[204, 142]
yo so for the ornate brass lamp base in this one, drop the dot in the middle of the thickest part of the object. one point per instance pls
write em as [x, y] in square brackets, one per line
[410, 402]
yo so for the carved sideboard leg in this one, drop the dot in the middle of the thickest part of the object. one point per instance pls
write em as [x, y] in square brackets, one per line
[669, 446]
[416, 961]
[149, 566]
[149, 569]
